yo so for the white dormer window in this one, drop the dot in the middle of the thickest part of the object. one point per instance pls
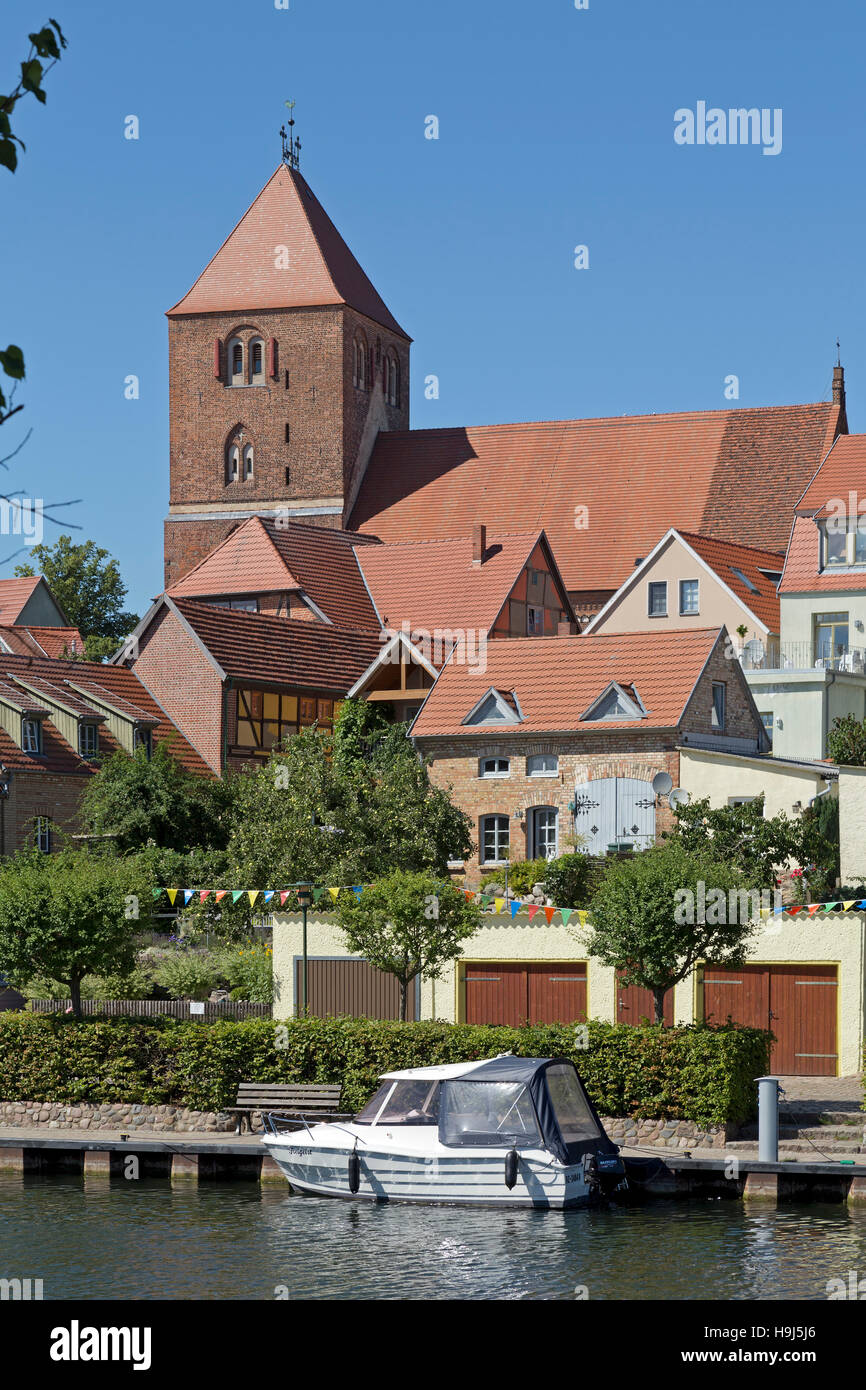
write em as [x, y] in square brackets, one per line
[31, 736]
[493, 708]
[616, 702]
[88, 740]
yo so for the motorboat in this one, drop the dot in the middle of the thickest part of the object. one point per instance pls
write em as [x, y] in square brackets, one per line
[509, 1131]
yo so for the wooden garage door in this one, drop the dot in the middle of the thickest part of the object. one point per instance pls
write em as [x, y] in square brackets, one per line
[797, 1002]
[351, 987]
[514, 993]
[636, 1005]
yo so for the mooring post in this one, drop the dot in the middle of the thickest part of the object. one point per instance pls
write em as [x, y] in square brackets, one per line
[768, 1119]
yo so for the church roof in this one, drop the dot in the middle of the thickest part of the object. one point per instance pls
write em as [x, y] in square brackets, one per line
[244, 275]
[733, 475]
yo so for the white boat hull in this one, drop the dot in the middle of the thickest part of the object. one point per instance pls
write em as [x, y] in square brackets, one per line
[474, 1177]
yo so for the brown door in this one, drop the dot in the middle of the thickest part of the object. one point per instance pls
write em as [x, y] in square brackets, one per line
[798, 1003]
[557, 993]
[351, 987]
[636, 1005]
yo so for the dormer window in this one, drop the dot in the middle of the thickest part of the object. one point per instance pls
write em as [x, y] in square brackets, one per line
[841, 546]
[31, 736]
[236, 362]
[495, 708]
[257, 362]
[616, 702]
[88, 740]
[143, 738]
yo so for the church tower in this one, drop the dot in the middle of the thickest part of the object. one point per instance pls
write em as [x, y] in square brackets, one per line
[284, 365]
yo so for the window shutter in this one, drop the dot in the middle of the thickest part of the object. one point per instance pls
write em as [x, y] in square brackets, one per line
[217, 347]
[273, 369]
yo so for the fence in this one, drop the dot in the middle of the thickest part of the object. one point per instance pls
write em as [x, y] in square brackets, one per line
[151, 1008]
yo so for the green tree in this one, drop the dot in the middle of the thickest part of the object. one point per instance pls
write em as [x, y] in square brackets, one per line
[846, 741]
[87, 584]
[141, 801]
[408, 925]
[70, 914]
[740, 835]
[639, 917]
[821, 847]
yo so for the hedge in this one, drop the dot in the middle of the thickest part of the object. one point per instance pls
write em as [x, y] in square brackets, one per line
[694, 1073]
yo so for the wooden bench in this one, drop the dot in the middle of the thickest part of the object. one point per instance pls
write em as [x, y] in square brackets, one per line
[312, 1103]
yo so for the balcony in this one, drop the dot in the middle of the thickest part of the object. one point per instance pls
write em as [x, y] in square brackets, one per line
[802, 656]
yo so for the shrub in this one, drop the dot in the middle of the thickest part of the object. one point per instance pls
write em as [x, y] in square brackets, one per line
[188, 974]
[696, 1073]
[249, 972]
[572, 879]
[521, 875]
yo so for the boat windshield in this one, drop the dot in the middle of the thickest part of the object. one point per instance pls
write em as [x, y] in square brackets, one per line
[573, 1115]
[403, 1103]
[488, 1112]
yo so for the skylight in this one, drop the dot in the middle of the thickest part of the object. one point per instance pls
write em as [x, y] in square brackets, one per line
[752, 588]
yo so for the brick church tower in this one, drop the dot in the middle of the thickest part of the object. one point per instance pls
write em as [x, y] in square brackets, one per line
[284, 365]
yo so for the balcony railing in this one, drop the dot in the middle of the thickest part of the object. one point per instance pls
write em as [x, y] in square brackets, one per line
[802, 656]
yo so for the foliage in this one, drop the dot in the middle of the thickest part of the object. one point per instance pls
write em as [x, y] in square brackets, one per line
[137, 983]
[249, 972]
[741, 835]
[188, 974]
[342, 808]
[87, 584]
[155, 801]
[697, 1073]
[820, 836]
[634, 918]
[408, 925]
[571, 880]
[846, 741]
[522, 874]
[68, 915]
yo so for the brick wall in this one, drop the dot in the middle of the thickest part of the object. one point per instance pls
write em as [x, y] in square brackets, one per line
[179, 676]
[742, 719]
[32, 794]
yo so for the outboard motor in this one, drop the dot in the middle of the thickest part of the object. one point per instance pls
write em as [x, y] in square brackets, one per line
[511, 1163]
[354, 1171]
[603, 1172]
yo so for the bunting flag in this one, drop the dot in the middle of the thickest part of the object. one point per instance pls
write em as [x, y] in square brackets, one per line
[846, 907]
[468, 894]
[333, 892]
[317, 893]
[187, 894]
[498, 904]
[795, 908]
[484, 902]
[548, 912]
[515, 908]
[220, 893]
[157, 892]
[565, 913]
[828, 907]
[172, 894]
[583, 916]
[357, 890]
[237, 893]
[204, 894]
[252, 894]
[813, 908]
[533, 910]
[283, 895]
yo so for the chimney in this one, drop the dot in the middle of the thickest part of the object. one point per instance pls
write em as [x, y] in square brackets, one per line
[839, 396]
[479, 543]
[566, 628]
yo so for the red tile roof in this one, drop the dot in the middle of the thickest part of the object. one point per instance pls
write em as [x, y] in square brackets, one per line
[843, 473]
[729, 474]
[42, 641]
[280, 651]
[264, 557]
[723, 557]
[244, 275]
[557, 679]
[434, 584]
[117, 681]
[14, 594]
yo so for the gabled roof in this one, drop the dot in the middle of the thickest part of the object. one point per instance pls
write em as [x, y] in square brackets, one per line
[840, 479]
[262, 556]
[495, 708]
[732, 475]
[244, 275]
[624, 699]
[14, 594]
[747, 572]
[841, 472]
[41, 641]
[278, 651]
[556, 679]
[396, 649]
[434, 584]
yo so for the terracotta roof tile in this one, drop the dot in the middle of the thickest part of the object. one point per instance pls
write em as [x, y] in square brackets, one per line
[730, 474]
[14, 594]
[243, 274]
[724, 558]
[556, 679]
[840, 479]
[281, 651]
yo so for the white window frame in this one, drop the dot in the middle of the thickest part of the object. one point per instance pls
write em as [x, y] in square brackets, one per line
[42, 833]
[690, 612]
[534, 846]
[83, 751]
[499, 772]
[498, 835]
[532, 771]
[28, 726]
[656, 584]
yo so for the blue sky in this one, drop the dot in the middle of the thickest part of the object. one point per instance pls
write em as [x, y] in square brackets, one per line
[556, 129]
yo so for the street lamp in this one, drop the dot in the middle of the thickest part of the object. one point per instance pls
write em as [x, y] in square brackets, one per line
[305, 902]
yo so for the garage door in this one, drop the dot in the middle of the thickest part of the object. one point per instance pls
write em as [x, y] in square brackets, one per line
[636, 1005]
[797, 1002]
[351, 987]
[514, 993]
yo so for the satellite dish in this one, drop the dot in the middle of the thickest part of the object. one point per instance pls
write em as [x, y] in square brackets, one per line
[678, 798]
[662, 783]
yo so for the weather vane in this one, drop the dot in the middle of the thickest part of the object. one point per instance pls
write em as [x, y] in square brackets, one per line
[291, 147]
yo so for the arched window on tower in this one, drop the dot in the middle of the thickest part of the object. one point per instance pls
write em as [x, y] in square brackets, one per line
[361, 363]
[235, 359]
[233, 463]
[239, 455]
[257, 362]
[248, 460]
[392, 378]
